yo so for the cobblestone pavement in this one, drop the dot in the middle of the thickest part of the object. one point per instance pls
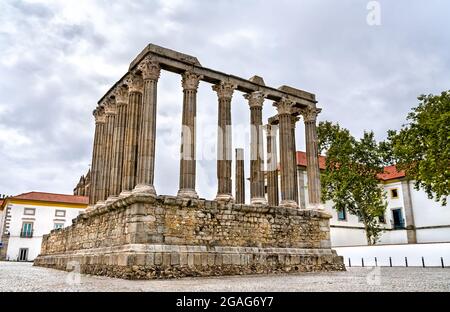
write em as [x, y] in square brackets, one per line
[16, 276]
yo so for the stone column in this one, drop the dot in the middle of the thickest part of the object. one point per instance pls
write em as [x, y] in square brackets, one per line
[294, 158]
[301, 186]
[312, 155]
[134, 108]
[409, 213]
[147, 134]
[224, 141]
[115, 183]
[110, 111]
[99, 120]
[284, 108]
[240, 176]
[190, 83]
[272, 165]
[257, 194]
[100, 157]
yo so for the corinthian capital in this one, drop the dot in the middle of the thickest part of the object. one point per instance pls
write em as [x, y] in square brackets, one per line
[121, 94]
[99, 114]
[150, 69]
[284, 106]
[224, 90]
[190, 81]
[135, 82]
[110, 106]
[310, 113]
[255, 99]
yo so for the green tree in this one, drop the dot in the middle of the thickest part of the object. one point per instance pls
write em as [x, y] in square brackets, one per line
[422, 146]
[350, 178]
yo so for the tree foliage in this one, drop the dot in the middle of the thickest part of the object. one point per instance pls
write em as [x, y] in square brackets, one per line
[422, 147]
[350, 178]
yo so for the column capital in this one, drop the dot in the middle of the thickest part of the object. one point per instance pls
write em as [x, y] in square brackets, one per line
[284, 106]
[99, 114]
[310, 113]
[190, 81]
[121, 94]
[224, 89]
[135, 82]
[255, 99]
[150, 69]
[110, 106]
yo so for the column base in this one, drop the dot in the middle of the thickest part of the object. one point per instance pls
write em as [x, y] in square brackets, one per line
[315, 206]
[258, 201]
[88, 208]
[125, 193]
[225, 197]
[100, 203]
[187, 193]
[111, 199]
[289, 203]
[144, 189]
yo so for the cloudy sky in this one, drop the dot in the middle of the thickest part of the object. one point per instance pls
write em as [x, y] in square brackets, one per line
[57, 58]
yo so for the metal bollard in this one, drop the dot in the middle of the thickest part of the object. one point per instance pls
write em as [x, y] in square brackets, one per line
[406, 261]
[376, 262]
[390, 262]
[442, 263]
[423, 262]
[362, 262]
[349, 262]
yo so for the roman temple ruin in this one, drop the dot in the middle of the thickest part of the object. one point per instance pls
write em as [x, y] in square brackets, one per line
[130, 231]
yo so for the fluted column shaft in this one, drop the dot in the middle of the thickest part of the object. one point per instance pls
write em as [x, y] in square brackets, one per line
[257, 192]
[224, 141]
[190, 82]
[294, 158]
[284, 107]
[100, 158]
[134, 108]
[240, 177]
[110, 110]
[147, 134]
[99, 120]
[312, 154]
[272, 166]
[115, 183]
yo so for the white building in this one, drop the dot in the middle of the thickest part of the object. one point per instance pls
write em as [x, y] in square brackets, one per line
[25, 218]
[411, 217]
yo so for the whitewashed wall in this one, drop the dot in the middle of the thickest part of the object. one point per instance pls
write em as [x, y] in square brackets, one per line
[432, 254]
[43, 223]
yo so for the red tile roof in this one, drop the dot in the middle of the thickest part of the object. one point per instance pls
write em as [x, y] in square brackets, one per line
[390, 172]
[301, 160]
[51, 197]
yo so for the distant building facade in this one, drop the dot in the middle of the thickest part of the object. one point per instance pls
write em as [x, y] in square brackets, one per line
[25, 218]
[411, 217]
[84, 185]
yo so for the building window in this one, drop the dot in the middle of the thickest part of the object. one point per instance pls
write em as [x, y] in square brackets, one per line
[60, 213]
[394, 193]
[58, 226]
[398, 222]
[342, 215]
[29, 211]
[27, 229]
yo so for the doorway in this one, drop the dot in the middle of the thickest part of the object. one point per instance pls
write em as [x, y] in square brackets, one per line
[23, 254]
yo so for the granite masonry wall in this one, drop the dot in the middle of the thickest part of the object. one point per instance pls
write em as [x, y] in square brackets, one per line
[143, 237]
